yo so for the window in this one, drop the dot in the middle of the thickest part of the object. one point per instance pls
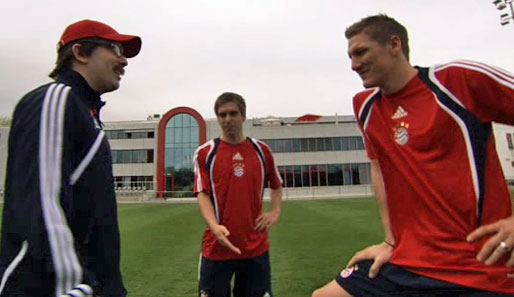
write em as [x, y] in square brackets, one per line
[297, 175]
[304, 144]
[181, 140]
[335, 174]
[314, 175]
[296, 145]
[325, 175]
[138, 183]
[306, 177]
[322, 169]
[329, 143]
[315, 144]
[509, 141]
[132, 156]
[289, 174]
[122, 134]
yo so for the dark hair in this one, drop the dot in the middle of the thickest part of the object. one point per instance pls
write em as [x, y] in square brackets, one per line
[231, 97]
[380, 28]
[65, 54]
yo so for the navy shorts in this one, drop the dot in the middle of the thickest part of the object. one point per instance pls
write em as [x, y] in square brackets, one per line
[392, 280]
[252, 277]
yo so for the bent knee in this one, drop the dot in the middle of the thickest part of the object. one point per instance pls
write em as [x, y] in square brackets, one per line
[332, 289]
[317, 293]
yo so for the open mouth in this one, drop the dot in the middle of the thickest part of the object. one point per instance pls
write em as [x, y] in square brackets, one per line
[119, 71]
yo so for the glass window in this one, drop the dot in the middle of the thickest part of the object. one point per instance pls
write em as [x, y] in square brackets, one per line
[322, 169]
[125, 156]
[182, 139]
[364, 173]
[329, 145]
[297, 176]
[149, 156]
[347, 174]
[337, 143]
[320, 144]
[304, 144]
[312, 144]
[344, 143]
[288, 145]
[360, 143]
[355, 174]
[352, 143]
[296, 145]
[306, 176]
[279, 145]
[335, 174]
[289, 173]
[314, 175]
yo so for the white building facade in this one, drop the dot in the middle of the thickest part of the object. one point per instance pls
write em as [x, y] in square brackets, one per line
[317, 156]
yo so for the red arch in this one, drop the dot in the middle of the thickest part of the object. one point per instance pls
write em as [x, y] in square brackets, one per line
[161, 184]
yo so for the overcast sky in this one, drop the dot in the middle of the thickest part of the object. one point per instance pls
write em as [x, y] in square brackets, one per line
[286, 57]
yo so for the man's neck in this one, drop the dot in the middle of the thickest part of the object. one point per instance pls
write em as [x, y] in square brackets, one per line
[233, 139]
[399, 78]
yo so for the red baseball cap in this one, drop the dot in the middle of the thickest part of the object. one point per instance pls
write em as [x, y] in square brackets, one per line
[88, 28]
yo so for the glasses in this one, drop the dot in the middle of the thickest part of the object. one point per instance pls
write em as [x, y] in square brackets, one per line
[115, 47]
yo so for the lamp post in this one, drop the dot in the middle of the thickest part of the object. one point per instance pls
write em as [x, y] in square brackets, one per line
[507, 16]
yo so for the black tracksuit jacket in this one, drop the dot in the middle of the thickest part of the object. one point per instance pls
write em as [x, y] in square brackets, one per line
[60, 230]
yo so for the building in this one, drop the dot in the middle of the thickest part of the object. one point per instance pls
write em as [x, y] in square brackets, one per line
[317, 156]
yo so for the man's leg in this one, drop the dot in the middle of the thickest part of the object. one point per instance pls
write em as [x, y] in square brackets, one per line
[332, 289]
[255, 279]
[214, 279]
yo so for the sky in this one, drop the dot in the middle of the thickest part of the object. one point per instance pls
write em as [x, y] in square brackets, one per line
[287, 58]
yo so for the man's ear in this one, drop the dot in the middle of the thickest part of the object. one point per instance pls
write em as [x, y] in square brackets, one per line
[396, 44]
[77, 53]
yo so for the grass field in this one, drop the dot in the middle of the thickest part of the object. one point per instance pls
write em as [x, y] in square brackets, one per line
[310, 245]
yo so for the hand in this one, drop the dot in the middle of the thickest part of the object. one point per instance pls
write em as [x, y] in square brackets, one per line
[499, 245]
[266, 220]
[222, 233]
[380, 254]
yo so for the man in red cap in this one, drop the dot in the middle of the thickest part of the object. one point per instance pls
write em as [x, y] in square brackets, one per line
[60, 233]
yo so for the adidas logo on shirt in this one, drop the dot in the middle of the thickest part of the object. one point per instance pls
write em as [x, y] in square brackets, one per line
[237, 157]
[400, 113]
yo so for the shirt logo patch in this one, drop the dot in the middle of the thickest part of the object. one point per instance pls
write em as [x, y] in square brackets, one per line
[237, 157]
[400, 113]
[401, 133]
[346, 273]
[239, 169]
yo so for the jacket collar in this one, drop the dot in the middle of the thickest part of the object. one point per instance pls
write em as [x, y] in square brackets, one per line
[83, 90]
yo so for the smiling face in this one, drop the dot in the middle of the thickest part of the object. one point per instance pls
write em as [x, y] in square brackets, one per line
[102, 68]
[372, 61]
[105, 69]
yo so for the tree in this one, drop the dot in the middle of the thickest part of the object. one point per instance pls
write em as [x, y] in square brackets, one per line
[5, 121]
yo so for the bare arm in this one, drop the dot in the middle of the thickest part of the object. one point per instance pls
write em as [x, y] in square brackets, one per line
[220, 231]
[382, 252]
[380, 194]
[268, 219]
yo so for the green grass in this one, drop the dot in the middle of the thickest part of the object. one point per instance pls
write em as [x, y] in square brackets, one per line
[311, 243]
